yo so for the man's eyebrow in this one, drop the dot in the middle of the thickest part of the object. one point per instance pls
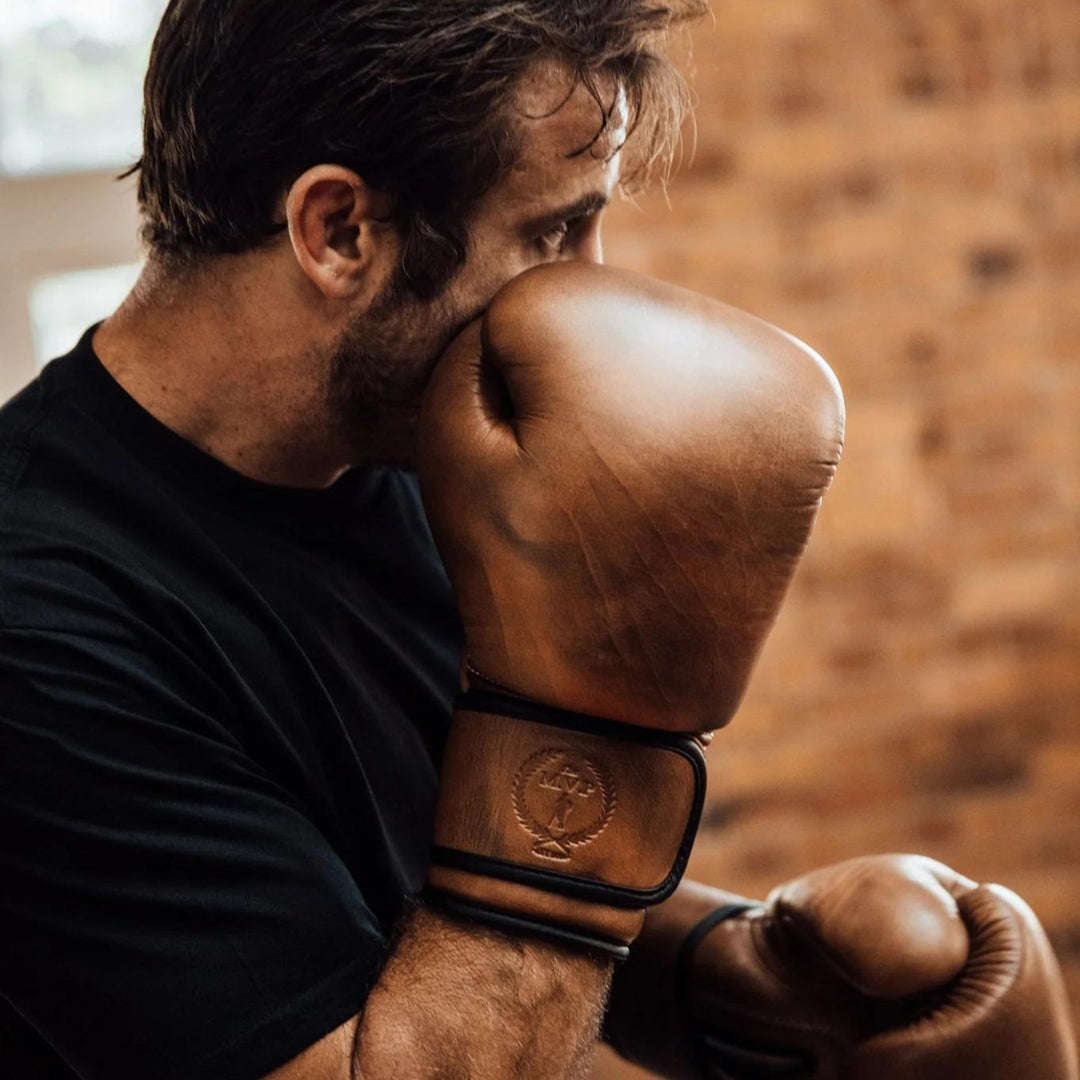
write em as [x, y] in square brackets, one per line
[588, 204]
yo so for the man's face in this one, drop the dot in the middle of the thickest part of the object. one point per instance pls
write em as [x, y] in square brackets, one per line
[548, 208]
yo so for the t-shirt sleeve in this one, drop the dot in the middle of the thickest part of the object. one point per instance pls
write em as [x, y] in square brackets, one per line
[167, 910]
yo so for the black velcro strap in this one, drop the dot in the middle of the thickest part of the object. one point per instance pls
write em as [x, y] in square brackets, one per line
[518, 924]
[723, 1055]
[690, 943]
[487, 701]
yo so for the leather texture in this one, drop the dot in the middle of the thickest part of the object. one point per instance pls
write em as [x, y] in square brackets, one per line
[620, 476]
[559, 808]
[880, 968]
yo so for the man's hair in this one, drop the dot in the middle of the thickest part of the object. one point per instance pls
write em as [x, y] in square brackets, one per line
[243, 96]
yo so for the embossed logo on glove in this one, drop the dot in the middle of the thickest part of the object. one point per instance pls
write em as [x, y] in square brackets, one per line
[563, 800]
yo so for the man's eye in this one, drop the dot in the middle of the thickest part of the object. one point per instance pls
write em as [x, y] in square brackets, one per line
[553, 242]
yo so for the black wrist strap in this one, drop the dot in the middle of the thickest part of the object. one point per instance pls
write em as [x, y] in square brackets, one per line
[515, 925]
[723, 1053]
[690, 943]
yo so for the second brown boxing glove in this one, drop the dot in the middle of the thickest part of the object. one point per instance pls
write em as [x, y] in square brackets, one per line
[891, 967]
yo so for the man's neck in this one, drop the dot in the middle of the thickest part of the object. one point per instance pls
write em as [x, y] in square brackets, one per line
[236, 371]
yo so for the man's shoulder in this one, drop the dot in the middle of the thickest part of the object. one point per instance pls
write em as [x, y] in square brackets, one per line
[64, 548]
[61, 567]
[43, 433]
[21, 417]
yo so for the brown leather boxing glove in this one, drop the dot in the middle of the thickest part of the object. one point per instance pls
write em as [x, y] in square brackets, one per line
[620, 476]
[890, 967]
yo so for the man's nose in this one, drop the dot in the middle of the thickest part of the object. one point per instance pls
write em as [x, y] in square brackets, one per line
[590, 246]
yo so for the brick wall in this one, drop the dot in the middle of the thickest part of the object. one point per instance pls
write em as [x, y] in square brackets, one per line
[898, 183]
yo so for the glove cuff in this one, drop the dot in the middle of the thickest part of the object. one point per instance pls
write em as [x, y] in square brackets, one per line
[562, 820]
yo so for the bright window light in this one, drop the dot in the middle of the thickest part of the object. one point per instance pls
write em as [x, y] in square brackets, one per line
[71, 74]
[63, 306]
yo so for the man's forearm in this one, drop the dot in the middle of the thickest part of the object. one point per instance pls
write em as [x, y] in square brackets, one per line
[462, 1002]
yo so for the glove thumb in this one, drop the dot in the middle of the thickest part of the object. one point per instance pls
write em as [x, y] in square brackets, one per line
[888, 925]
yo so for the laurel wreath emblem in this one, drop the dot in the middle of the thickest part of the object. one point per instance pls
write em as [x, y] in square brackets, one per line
[549, 846]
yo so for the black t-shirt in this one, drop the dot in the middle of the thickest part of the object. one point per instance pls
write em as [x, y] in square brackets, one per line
[222, 704]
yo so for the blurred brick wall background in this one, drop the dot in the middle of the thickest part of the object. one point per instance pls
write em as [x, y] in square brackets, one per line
[897, 182]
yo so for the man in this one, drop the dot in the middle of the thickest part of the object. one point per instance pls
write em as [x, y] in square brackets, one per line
[228, 645]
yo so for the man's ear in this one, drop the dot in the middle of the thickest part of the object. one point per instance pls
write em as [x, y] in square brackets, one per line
[339, 232]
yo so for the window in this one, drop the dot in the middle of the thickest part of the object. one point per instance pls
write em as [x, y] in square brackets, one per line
[71, 82]
[64, 305]
[71, 74]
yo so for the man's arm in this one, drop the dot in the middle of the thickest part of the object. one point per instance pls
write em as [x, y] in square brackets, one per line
[168, 910]
[458, 1001]
[613, 615]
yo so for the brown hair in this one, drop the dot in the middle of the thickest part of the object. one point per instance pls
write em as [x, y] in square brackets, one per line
[242, 96]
